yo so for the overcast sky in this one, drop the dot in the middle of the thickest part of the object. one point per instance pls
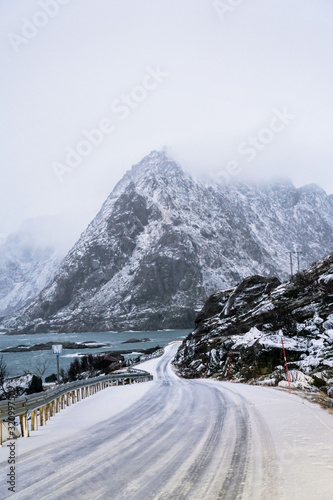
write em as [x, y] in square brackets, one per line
[224, 88]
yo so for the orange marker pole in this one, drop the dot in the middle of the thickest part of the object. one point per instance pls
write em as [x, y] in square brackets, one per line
[285, 360]
[228, 361]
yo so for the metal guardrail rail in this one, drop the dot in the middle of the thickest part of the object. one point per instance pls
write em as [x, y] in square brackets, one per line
[50, 402]
[23, 404]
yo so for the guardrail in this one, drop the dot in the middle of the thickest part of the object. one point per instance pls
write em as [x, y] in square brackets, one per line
[148, 357]
[50, 402]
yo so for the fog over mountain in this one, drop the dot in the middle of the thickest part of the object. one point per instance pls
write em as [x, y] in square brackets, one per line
[227, 67]
[30, 257]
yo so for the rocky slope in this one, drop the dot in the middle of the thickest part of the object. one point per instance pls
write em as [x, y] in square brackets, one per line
[162, 243]
[246, 324]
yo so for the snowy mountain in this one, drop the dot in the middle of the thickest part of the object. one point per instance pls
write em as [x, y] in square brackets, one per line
[162, 243]
[26, 266]
[30, 257]
[246, 324]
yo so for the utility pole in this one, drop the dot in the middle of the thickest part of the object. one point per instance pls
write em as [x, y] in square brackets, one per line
[298, 259]
[291, 263]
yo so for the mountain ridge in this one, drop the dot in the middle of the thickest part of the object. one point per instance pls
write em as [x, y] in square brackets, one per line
[162, 243]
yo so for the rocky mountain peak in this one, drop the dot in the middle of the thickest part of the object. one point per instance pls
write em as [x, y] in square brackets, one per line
[156, 167]
[158, 162]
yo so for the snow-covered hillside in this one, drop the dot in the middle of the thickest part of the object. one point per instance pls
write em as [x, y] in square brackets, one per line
[162, 243]
[238, 332]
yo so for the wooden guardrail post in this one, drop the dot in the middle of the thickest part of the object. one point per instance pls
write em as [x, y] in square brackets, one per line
[24, 425]
[41, 416]
[34, 421]
[52, 408]
[46, 413]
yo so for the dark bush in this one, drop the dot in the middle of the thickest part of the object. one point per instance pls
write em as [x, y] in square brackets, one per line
[303, 280]
[90, 363]
[36, 385]
[63, 375]
[74, 369]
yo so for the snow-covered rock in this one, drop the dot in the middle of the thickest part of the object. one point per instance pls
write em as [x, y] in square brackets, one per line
[22, 384]
[246, 339]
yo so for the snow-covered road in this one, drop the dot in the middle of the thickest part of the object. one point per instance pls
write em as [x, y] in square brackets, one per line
[179, 439]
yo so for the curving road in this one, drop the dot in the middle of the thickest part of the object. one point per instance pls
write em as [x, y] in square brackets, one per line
[188, 439]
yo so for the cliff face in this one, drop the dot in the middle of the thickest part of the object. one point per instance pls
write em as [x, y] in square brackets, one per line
[162, 243]
[239, 330]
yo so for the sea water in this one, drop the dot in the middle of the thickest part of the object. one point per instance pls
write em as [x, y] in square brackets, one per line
[20, 362]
